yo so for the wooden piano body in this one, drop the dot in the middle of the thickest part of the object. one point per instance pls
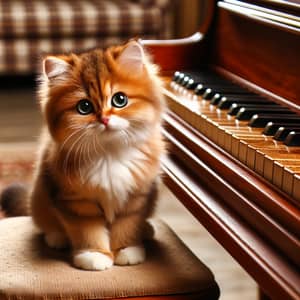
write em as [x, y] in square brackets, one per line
[257, 46]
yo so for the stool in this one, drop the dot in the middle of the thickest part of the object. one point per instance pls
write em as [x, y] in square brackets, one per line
[30, 270]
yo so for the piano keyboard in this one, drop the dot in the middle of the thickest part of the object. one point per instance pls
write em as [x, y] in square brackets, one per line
[260, 133]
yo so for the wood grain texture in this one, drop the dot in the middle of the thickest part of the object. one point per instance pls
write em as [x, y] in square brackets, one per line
[173, 57]
[263, 54]
[244, 244]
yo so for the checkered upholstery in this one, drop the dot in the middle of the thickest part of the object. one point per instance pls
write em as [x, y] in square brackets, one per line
[29, 28]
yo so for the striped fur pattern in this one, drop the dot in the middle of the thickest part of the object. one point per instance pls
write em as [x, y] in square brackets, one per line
[99, 163]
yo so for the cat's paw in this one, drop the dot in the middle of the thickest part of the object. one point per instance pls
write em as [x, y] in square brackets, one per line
[92, 261]
[56, 240]
[130, 256]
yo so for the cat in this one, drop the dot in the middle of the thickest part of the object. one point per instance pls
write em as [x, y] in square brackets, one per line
[95, 183]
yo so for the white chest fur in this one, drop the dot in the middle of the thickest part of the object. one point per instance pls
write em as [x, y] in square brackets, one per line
[115, 173]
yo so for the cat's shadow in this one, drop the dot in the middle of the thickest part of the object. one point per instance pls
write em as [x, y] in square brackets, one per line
[42, 252]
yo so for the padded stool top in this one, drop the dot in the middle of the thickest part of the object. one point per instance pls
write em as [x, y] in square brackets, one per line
[31, 270]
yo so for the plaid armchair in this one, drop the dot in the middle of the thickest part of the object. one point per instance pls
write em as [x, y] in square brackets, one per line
[29, 28]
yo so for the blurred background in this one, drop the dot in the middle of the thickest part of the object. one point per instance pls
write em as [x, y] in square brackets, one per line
[30, 29]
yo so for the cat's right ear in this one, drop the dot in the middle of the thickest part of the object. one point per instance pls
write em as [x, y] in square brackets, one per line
[54, 67]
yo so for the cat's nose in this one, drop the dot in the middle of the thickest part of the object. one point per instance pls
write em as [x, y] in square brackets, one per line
[105, 120]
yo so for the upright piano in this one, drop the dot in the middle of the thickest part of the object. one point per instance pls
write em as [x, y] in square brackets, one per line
[233, 130]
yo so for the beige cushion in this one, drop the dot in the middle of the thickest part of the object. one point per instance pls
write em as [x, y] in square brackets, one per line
[30, 270]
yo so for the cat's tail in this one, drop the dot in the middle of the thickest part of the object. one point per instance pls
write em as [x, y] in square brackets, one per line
[14, 200]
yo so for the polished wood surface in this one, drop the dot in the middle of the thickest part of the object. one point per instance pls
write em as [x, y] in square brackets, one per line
[255, 218]
[248, 48]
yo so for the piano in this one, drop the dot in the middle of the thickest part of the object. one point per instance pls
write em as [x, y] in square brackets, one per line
[233, 128]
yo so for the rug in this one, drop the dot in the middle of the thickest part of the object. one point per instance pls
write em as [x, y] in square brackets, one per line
[16, 164]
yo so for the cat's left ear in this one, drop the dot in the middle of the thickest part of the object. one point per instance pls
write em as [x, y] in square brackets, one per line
[55, 66]
[132, 57]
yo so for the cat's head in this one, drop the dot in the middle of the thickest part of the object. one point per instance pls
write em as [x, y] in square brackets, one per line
[103, 97]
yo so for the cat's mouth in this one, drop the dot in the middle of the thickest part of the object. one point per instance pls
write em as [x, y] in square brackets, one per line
[107, 129]
[110, 132]
[101, 128]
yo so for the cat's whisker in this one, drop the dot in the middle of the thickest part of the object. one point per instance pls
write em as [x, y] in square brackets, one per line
[77, 129]
[66, 161]
[88, 152]
[126, 137]
[136, 122]
[83, 158]
[100, 145]
[94, 144]
[61, 147]
[80, 155]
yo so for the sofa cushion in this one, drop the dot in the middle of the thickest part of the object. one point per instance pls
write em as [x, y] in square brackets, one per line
[80, 18]
[23, 56]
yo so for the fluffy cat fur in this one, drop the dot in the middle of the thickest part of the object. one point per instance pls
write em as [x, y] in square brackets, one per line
[95, 181]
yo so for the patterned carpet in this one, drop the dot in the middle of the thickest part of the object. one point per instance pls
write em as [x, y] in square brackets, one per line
[16, 162]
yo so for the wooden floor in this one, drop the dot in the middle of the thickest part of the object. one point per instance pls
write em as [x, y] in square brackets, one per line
[20, 123]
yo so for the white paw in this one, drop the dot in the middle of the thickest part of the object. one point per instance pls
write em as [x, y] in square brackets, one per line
[56, 240]
[130, 256]
[92, 261]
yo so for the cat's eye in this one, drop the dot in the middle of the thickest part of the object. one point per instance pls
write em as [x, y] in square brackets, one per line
[85, 107]
[119, 100]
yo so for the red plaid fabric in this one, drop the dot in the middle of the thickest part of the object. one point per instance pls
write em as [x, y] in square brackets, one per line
[32, 27]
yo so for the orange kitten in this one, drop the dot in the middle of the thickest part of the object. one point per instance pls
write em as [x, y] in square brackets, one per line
[100, 154]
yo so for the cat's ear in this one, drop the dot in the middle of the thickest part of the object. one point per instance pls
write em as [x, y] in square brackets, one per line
[132, 57]
[54, 66]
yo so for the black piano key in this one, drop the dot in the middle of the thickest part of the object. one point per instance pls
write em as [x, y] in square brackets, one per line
[246, 113]
[282, 132]
[180, 78]
[216, 86]
[205, 77]
[235, 107]
[211, 91]
[209, 79]
[216, 99]
[293, 139]
[176, 76]
[226, 102]
[208, 94]
[261, 120]
[185, 80]
[199, 89]
[191, 84]
[272, 127]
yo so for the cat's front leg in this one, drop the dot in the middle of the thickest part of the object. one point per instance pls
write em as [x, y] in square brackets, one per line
[131, 255]
[92, 260]
[56, 239]
[90, 241]
[127, 234]
[44, 215]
